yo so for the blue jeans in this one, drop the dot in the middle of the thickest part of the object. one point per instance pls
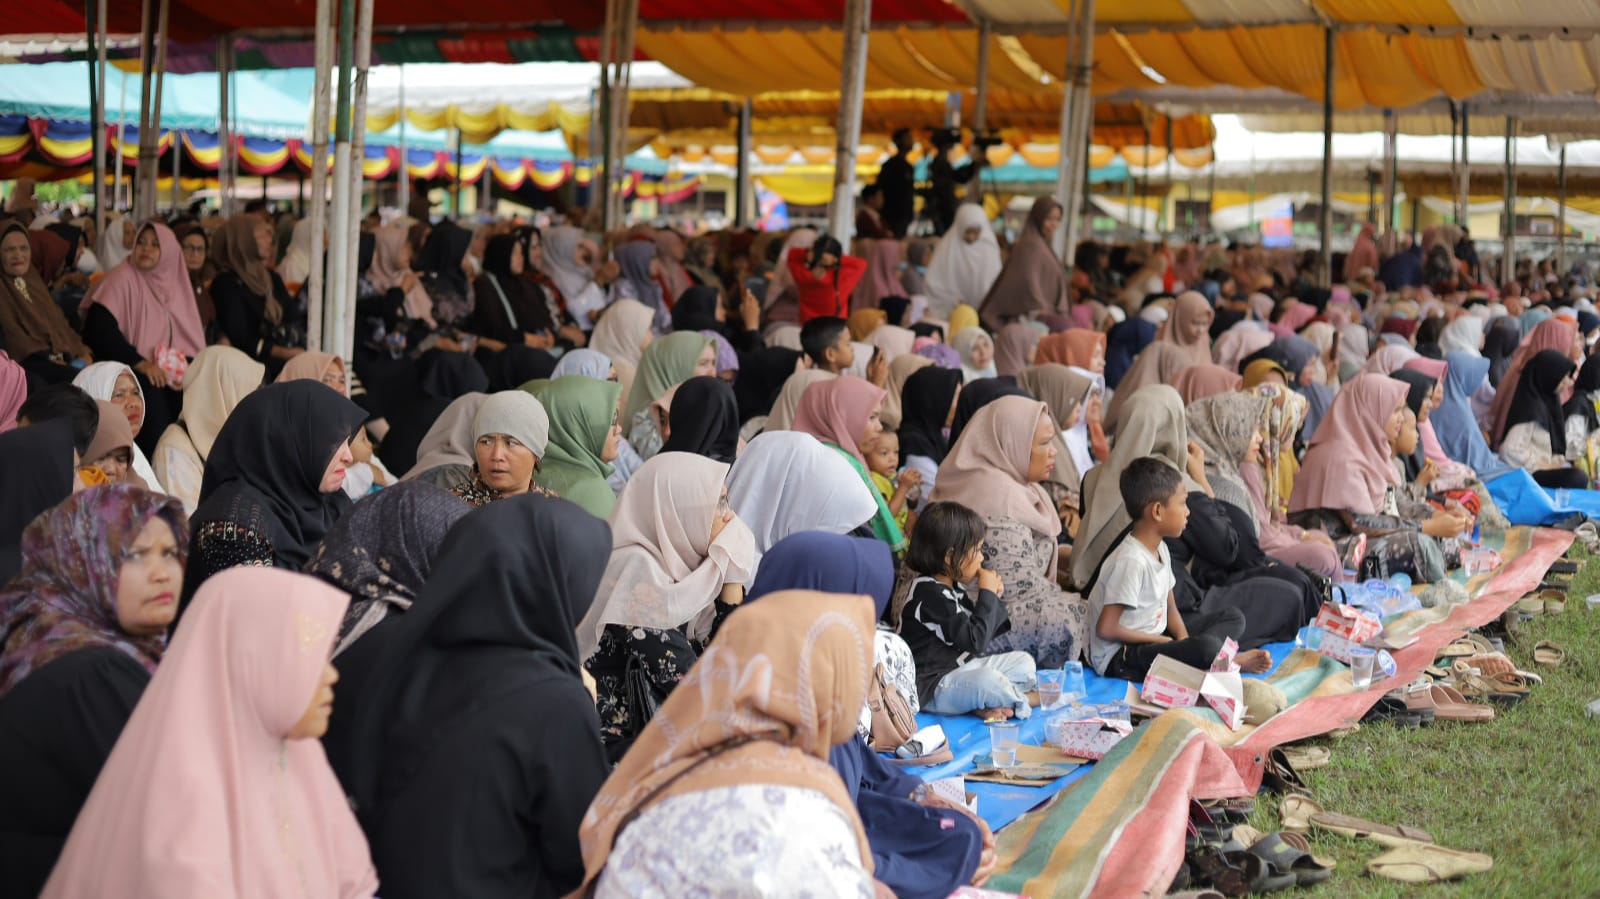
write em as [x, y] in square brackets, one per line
[987, 682]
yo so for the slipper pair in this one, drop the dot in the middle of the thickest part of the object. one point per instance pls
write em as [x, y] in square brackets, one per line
[1300, 813]
[1423, 863]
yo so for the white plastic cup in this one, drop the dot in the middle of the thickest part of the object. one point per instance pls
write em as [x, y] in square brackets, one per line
[1003, 743]
[1362, 659]
[1049, 687]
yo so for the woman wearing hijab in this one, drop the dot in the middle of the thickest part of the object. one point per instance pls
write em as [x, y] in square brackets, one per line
[446, 453]
[922, 847]
[1536, 431]
[254, 309]
[109, 456]
[222, 758]
[901, 368]
[965, 263]
[418, 742]
[510, 431]
[443, 378]
[747, 762]
[548, 307]
[295, 266]
[568, 261]
[37, 471]
[116, 242]
[670, 253]
[1348, 487]
[786, 482]
[977, 353]
[623, 334]
[83, 626]
[1189, 327]
[705, 420]
[1238, 343]
[218, 379]
[14, 391]
[1363, 255]
[761, 377]
[996, 468]
[584, 441]
[638, 281]
[882, 278]
[1077, 347]
[383, 551]
[271, 490]
[843, 413]
[666, 363]
[699, 308]
[1555, 334]
[1067, 393]
[1015, 348]
[1160, 363]
[116, 384]
[1583, 423]
[1199, 381]
[506, 311]
[1033, 281]
[391, 273]
[1454, 422]
[677, 547]
[37, 334]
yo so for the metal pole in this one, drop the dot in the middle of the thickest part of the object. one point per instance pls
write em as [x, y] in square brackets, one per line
[1509, 265]
[97, 86]
[600, 177]
[1144, 188]
[122, 134]
[621, 106]
[358, 153]
[1211, 186]
[980, 102]
[1391, 139]
[455, 200]
[154, 171]
[1561, 212]
[405, 167]
[319, 171]
[225, 183]
[339, 246]
[852, 87]
[147, 53]
[1466, 169]
[743, 190]
[1064, 143]
[1162, 219]
[1325, 219]
[177, 168]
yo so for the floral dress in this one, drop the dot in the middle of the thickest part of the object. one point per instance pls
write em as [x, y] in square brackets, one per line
[1047, 622]
[664, 657]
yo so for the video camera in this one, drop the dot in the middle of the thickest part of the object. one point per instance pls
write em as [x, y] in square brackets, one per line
[942, 138]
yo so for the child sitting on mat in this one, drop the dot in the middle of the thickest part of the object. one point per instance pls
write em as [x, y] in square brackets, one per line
[1131, 605]
[948, 632]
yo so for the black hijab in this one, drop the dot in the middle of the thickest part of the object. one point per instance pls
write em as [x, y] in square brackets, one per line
[265, 469]
[696, 310]
[517, 365]
[975, 396]
[447, 376]
[1583, 390]
[527, 313]
[1499, 343]
[704, 419]
[761, 376]
[499, 616]
[1418, 388]
[895, 307]
[446, 246]
[1536, 399]
[366, 251]
[35, 475]
[924, 405]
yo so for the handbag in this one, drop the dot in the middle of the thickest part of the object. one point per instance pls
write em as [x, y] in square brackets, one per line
[892, 720]
[639, 693]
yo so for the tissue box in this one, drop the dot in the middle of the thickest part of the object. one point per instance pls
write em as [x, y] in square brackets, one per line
[1348, 622]
[1336, 647]
[1087, 738]
[1174, 685]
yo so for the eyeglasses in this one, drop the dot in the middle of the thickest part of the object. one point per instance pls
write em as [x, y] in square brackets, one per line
[194, 248]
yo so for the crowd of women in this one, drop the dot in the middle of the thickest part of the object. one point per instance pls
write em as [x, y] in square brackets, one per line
[609, 538]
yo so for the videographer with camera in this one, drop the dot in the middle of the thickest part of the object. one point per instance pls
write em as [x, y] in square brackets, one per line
[943, 176]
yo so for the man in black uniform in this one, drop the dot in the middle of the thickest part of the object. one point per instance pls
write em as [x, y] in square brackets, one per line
[943, 178]
[897, 182]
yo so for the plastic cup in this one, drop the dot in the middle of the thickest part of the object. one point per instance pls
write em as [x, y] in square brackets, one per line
[1003, 743]
[1593, 602]
[1049, 687]
[1362, 660]
[1073, 686]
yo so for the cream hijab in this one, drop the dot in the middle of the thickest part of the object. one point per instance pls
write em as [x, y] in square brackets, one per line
[788, 402]
[218, 378]
[987, 469]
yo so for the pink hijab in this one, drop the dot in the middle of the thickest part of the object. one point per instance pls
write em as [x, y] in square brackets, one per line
[1295, 317]
[13, 391]
[1388, 359]
[1200, 381]
[153, 308]
[204, 795]
[836, 412]
[1551, 334]
[388, 272]
[1346, 465]
[1190, 304]
[1238, 342]
[882, 278]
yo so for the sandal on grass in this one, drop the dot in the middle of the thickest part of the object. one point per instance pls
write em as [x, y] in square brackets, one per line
[1307, 758]
[1565, 567]
[1424, 863]
[1555, 601]
[1548, 654]
[1219, 870]
[1290, 853]
[1448, 704]
[1394, 708]
[1280, 775]
[1295, 811]
[1478, 688]
[1530, 605]
[1387, 834]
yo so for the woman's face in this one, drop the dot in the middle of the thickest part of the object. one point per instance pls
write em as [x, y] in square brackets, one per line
[334, 377]
[149, 581]
[194, 252]
[1094, 411]
[982, 353]
[1405, 443]
[1397, 419]
[1097, 359]
[535, 253]
[1051, 223]
[971, 235]
[264, 240]
[1253, 452]
[1199, 328]
[505, 464]
[612, 448]
[147, 250]
[1043, 458]
[1074, 413]
[128, 231]
[116, 464]
[1575, 353]
[1566, 384]
[873, 429]
[125, 395]
[706, 365]
[1435, 399]
[15, 254]
[516, 264]
[1275, 377]
[314, 723]
[333, 477]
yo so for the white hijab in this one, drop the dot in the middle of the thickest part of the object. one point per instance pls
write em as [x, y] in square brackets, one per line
[1464, 335]
[962, 272]
[1077, 437]
[295, 266]
[99, 381]
[112, 252]
[964, 342]
[787, 481]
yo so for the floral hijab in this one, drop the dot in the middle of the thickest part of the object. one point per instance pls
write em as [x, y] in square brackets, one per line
[1224, 425]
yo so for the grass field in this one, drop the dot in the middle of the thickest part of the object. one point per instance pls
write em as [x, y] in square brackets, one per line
[1524, 788]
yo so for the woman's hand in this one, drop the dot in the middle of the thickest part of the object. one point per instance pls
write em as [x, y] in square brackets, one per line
[1443, 524]
[749, 309]
[152, 373]
[1427, 474]
[574, 335]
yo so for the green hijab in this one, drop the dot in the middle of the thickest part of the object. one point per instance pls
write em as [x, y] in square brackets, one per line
[581, 411]
[667, 362]
[884, 527]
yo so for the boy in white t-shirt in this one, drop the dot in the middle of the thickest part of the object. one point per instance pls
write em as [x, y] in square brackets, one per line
[1131, 607]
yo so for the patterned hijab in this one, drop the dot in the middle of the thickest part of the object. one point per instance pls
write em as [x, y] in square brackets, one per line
[1286, 413]
[65, 598]
[382, 552]
[1224, 425]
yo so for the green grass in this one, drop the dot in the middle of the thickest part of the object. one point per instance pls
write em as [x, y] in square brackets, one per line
[1524, 788]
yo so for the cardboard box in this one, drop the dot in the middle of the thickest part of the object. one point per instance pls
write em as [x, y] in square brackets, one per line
[1088, 738]
[1174, 685]
[1348, 622]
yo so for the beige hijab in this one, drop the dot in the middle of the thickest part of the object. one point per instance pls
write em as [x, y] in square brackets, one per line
[987, 469]
[622, 334]
[788, 402]
[782, 684]
[218, 378]
[1159, 363]
[1062, 390]
[900, 369]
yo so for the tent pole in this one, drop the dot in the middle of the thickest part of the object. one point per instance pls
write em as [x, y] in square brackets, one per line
[1465, 189]
[403, 199]
[1144, 187]
[122, 133]
[224, 132]
[97, 85]
[847, 130]
[1162, 220]
[1211, 187]
[1455, 168]
[455, 201]
[177, 167]
[339, 228]
[358, 153]
[980, 103]
[1561, 211]
[621, 106]
[147, 52]
[1391, 132]
[1325, 217]
[1509, 257]
[742, 187]
[319, 172]
[600, 177]
[1064, 144]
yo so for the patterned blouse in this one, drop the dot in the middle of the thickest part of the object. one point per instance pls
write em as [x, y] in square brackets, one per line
[1047, 622]
[477, 494]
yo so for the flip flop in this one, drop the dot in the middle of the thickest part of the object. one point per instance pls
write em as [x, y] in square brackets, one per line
[1387, 834]
[1548, 654]
[1448, 704]
[1295, 811]
[1290, 853]
[1565, 567]
[1281, 776]
[1530, 605]
[1423, 863]
[1555, 601]
[1307, 758]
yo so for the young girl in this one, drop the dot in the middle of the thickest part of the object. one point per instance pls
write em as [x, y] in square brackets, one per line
[883, 457]
[948, 632]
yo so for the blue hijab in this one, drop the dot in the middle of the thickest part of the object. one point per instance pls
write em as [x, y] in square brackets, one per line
[829, 563]
[1454, 423]
[1123, 342]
